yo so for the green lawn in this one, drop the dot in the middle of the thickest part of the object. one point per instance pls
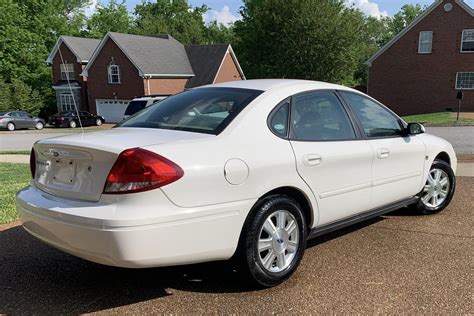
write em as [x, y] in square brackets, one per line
[435, 118]
[15, 152]
[13, 177]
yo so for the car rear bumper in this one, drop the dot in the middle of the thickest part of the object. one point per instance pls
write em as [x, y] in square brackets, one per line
[168, 235]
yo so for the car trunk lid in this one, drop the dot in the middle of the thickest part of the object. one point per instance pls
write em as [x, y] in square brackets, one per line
[76, 166]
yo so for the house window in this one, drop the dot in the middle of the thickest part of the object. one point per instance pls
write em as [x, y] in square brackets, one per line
[66, 100]
[465, 81]
[114, 73]
[467, 41]
[67, 71]
[425, 43]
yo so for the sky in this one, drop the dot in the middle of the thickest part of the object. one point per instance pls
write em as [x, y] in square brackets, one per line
[227, 11]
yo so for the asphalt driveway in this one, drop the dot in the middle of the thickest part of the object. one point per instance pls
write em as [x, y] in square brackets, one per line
[461, 137]
[399, 263]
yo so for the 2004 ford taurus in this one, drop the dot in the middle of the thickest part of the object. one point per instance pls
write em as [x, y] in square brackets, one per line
[248, 169]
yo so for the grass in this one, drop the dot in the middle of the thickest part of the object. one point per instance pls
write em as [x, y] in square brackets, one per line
[15, 152]
[436, 118]
[13, 177]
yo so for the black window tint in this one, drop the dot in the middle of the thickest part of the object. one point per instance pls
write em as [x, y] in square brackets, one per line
[204, 110]
[320, 116]
[279, 119]
[375, 119]
[135, 106]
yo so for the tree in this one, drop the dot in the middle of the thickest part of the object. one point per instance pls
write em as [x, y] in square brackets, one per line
[318, 40]
[404, 17]
[176, 17]
[28, 32]
[5, 96]
[110, 18]
[218, 33]
[24, 98]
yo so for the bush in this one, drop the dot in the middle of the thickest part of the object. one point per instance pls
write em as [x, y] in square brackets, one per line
[17, 95]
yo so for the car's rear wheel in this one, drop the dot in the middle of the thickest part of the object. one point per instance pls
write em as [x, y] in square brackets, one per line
[274, 240]
[39, 125]
[438, 190]
[98, 122]
[11, 127]
[72, 124]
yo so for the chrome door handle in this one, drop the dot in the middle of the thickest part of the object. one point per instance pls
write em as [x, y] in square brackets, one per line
[383, 153]
[311, 160]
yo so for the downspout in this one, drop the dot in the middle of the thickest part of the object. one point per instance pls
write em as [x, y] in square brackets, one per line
[148, 85]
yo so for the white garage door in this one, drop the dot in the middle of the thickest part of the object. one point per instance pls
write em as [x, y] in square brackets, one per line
[111, 110]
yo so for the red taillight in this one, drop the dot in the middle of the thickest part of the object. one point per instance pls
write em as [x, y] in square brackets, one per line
[33, 163]
[138, 170]
[61, 118]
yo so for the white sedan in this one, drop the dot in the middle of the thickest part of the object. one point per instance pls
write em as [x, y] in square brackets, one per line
[245, 169]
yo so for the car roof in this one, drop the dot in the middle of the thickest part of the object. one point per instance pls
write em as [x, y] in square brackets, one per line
[270, 84]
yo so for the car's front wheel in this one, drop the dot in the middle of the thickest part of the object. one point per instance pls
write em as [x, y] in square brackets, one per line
[39, 125]
[274, 240]
[438, 190]
[98, 122]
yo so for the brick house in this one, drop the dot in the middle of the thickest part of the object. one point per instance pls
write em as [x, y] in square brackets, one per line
[76, 53]
[423, 67]
[123, 66]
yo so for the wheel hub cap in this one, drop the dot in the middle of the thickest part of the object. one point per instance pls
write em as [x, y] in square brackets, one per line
[278, 241]
[436, 188]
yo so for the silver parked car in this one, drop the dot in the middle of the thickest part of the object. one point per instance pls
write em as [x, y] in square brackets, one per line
[13, 120]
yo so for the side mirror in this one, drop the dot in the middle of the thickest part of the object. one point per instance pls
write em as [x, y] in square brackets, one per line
[415, 128]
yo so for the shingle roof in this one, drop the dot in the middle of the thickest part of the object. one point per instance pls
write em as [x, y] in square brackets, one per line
[205, 60]
[160, 55]
[82, 47]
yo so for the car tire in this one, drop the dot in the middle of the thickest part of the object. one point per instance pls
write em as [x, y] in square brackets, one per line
[39, 126]
[271, 253]
[72, 124]
[438, 190]
[11, 127]
[98, 122]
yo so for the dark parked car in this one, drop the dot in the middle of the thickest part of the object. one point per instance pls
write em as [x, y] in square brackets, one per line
[12, 120]
[70, 119]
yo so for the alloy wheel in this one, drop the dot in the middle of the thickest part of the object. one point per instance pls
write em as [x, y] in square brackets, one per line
[436, 188]
[278, 241]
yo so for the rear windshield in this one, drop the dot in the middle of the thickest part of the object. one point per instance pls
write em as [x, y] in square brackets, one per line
[205, 110]
[135, 106]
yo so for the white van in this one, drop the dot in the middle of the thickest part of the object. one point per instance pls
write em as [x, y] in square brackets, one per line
[140, 103]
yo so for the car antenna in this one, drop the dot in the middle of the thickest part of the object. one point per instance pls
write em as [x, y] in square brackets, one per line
[70, 89]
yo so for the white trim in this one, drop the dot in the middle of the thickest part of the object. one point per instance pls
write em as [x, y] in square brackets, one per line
[236, 62]
[110, 74]
[403, 32]
[456, 82]
[462, 37]
[53, 53]
[167, 75]
[465, 6]
[431, 42]
[65, 88]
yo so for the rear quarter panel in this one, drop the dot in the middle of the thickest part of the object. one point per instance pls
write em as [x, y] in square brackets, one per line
[270, 160]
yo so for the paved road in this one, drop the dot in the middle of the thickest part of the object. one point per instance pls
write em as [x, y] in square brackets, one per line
[24, 140]
[461, 137]
[400, 263]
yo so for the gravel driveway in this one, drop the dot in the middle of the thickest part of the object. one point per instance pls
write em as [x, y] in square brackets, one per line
[396, 264]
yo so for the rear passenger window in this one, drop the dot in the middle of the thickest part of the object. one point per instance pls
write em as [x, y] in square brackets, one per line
[320, 116]
[279, 119]
[375, 119]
